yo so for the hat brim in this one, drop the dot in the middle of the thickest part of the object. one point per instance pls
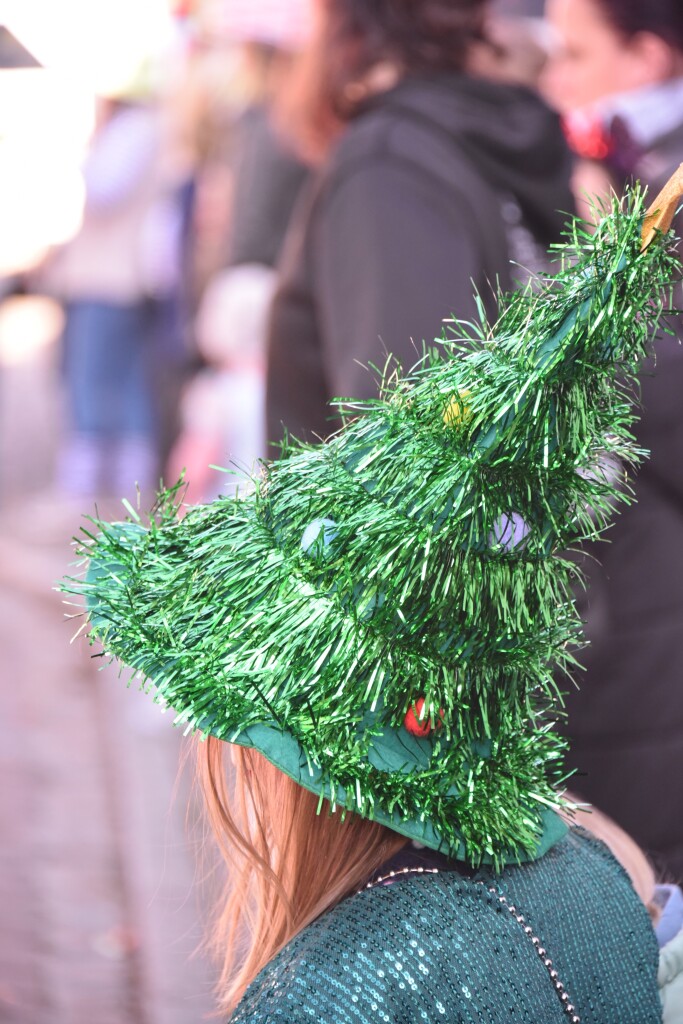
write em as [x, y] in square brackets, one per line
[285, 752]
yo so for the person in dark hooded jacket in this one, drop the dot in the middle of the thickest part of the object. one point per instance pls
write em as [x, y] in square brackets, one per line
[439, 176]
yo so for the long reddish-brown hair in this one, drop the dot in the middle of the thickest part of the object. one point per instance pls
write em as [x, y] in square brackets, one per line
[289, 860]
[353, 44]
[287, 863]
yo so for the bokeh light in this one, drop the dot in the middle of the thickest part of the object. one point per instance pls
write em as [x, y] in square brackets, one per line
[86, 48]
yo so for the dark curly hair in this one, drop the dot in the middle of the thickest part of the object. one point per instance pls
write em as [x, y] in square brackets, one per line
[416, 35]
[662, 18]
[357, 36]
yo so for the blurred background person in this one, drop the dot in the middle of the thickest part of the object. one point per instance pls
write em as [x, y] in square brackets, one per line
[617, 76]
[222, 410]
[116, 279]
[267, 173]
[436, 172]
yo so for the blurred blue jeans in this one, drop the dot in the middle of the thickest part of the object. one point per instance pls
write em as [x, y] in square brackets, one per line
[107, 369]
[108, 363]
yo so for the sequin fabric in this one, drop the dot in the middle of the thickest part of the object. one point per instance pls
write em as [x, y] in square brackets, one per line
[442, 949]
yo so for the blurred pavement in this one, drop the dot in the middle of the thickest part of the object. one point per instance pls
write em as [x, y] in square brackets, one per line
[98, 865]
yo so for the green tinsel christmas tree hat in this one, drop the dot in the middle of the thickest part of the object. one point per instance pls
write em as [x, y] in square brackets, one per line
[384, 617]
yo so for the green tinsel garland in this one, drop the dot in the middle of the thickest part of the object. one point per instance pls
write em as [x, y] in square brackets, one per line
[419, 553]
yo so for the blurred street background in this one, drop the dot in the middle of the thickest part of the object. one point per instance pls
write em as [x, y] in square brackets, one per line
[98, 858]
[99, 850]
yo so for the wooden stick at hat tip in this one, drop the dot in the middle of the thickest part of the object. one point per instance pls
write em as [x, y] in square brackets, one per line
[660, 214]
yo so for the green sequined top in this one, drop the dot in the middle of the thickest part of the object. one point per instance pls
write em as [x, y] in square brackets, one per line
[562, 939]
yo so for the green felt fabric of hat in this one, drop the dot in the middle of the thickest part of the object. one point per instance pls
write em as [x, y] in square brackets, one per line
[286, 753]
[386, 616]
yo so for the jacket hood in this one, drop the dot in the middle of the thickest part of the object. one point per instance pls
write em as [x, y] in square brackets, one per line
[513, 138]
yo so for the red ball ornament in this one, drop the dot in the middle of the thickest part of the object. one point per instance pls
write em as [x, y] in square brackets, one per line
[415, 724]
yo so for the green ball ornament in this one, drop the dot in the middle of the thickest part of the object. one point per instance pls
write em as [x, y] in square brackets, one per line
[318, 537]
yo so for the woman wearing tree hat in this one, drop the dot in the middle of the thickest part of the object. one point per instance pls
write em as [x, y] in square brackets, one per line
[375, 633]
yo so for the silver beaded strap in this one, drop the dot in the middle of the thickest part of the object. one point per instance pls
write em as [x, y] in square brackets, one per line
[401, 871]
[547, 962]
[567, 1004]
